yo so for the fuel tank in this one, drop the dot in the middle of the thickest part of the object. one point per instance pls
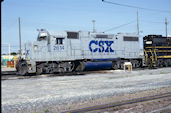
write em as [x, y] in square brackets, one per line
[98, 65]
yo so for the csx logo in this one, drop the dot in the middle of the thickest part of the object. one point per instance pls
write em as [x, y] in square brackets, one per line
[100, 46]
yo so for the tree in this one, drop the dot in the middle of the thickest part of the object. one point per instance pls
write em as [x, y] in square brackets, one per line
[13, 53]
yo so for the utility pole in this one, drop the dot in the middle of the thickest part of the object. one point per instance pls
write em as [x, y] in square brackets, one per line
[166, 23]
[94, 30]
[9, 52]
[137, 23]
[19, 36]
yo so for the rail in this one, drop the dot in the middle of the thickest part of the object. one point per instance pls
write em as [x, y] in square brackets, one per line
[110, 105]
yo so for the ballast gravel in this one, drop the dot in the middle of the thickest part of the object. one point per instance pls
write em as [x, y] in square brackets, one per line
[42, 94]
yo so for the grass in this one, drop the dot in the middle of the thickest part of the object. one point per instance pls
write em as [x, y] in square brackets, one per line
[163, 72]
[46, 111]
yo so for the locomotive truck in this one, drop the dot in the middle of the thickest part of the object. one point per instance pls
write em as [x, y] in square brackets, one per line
[68, 51]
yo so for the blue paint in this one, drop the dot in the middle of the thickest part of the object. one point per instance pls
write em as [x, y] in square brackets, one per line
[98, 65]
[58, 48]
[99, 46]
[109, 43]
[90, 44]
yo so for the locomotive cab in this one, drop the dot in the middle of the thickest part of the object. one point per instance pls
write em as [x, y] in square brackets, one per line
[43, 36]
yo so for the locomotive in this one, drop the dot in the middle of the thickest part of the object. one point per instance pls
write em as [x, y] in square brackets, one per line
[70, 51]
[157, 51]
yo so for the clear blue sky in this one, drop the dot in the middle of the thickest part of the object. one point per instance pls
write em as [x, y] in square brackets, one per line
[60, 15]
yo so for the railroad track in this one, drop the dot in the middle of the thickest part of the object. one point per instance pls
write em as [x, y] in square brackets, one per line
[5, 73]
[13, 75]
[116, 104]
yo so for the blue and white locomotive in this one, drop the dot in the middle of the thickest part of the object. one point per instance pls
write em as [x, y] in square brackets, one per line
[70, 51]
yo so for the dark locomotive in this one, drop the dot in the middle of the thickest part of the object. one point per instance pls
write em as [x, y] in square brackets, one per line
[157, 51]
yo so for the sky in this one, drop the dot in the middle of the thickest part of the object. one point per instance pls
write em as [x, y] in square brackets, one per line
[75, 15]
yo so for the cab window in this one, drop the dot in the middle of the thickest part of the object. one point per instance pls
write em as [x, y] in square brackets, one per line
[59, 41]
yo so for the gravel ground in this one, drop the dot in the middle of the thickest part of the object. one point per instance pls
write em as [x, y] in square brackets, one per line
[35, 95]
[155, 106]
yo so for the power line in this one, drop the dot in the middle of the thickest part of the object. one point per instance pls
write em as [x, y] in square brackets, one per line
[113, 28]
[137, 7]
[147, 21]
[155, 22]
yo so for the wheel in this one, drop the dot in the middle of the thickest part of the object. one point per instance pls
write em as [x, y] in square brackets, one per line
[72, 67]
[139, 64]
[134, 65]
[61, 70]
[160, 63]
[122, 65]
[150, 64]
[165, 63]
[114, 65]
[39, 71]
[22, 68]
[80, 67]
